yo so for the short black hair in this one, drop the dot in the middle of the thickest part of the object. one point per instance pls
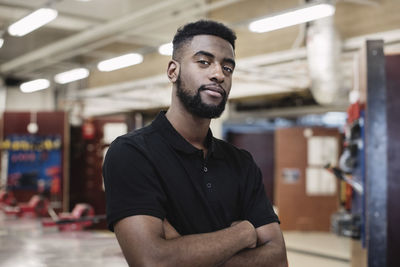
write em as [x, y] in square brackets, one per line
[207, 27]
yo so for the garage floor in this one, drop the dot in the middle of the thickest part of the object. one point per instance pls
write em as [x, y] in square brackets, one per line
[23, 243]
[317, 249]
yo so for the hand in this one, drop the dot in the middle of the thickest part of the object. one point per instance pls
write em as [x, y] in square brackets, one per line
[252, 234]
[169, 230]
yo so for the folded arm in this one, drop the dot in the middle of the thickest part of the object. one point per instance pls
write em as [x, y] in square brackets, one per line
[145, 242]
[270, 250]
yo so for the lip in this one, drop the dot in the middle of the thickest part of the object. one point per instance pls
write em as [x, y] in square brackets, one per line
[215, 88]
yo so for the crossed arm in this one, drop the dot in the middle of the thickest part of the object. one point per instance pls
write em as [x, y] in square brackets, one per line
[148, 241]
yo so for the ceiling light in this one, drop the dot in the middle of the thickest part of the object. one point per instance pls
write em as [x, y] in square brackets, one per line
[33, 21]
[71, 75]
[1, 42]
[34, 85]
[120, 62]
[165, 49]
[292, 17]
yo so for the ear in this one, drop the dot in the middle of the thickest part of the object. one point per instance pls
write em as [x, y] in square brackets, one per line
[173, 70]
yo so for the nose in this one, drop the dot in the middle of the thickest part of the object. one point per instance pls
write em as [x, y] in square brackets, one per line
[217, 75]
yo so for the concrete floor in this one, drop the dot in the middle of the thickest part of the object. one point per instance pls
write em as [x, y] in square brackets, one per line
[314, 249]
[24, 243]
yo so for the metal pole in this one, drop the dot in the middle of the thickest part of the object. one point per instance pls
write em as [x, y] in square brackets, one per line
[376, 156]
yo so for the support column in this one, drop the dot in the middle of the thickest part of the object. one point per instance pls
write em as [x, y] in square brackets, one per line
[376, 156]
[393, 118]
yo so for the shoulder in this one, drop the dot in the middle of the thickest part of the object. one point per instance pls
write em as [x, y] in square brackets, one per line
[136, 138]
[131, 145]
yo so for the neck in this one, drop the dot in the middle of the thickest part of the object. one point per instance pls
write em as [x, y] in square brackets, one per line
[192, 128]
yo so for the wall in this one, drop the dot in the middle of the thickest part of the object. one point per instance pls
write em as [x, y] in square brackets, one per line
[261, 147]
[86, 158]
[50, 123]
[41, 100]
[297, 209]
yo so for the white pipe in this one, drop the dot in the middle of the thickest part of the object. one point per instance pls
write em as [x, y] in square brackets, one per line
[113, 27]
[73, 45]
[355, 43]
[118, 87]
[323, 57]
[363, 2]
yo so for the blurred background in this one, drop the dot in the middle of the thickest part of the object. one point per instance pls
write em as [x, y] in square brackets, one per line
[314, 98]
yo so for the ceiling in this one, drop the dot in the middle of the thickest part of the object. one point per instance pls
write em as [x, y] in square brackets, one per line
[85, 33]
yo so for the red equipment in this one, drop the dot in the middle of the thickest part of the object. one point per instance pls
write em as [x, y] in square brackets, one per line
[36, 207]
[7, 199]
[82, 216]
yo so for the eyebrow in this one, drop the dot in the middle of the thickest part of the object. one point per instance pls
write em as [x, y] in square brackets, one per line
[208, 54]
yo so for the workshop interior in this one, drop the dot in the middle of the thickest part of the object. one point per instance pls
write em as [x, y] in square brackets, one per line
[315, 99]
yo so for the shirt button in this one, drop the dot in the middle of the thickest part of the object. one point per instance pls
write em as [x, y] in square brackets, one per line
[205, 169]
[208, 185]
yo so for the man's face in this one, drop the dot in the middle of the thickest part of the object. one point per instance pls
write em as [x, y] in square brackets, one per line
[205, 75]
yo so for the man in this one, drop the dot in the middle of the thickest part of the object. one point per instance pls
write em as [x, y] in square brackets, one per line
[177, 196]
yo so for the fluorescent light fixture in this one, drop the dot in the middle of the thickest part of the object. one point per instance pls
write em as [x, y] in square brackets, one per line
[33, 21]
[1, 42]
[120, 62]
[34, 85]
[71, 75]
[292, 17]
[165, 49]
[334, 118]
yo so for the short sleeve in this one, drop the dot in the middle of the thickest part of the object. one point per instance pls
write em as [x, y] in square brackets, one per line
[131, 183]
[257, 207]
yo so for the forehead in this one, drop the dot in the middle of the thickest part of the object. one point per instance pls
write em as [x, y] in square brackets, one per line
[209, 43]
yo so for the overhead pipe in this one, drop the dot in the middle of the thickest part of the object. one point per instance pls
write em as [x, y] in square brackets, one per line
[324, 63]
[91, 35]
[75, 44]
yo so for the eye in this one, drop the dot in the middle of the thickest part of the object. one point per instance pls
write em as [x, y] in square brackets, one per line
[203, 62]
[228, 69]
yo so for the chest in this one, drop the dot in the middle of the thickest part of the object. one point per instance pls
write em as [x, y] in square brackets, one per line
[202, 195]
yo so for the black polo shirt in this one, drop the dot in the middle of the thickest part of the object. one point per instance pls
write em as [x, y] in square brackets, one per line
[155, 171]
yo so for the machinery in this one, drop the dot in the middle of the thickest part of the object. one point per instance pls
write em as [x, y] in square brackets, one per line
[349, 220]
[36, 207]
[7, 199]
[82, 216]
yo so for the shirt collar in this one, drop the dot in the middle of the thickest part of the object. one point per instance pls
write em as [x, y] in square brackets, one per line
[177, 141]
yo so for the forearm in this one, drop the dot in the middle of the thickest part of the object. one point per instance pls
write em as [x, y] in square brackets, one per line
[265, 255]
[209, 249]
[141, 248]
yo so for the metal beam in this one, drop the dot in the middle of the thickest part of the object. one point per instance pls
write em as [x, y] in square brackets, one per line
[376, 155]
[110, 32]
[284, 112]
[91, 35]
[11, 12]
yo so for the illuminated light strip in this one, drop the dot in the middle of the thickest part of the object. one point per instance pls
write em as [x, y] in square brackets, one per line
[35, 85]
[32, 21]
[165, 49]
[120, 62]
[292, 17]
[71, 75]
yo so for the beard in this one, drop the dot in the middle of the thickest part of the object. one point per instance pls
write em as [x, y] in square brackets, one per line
[195, 105]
